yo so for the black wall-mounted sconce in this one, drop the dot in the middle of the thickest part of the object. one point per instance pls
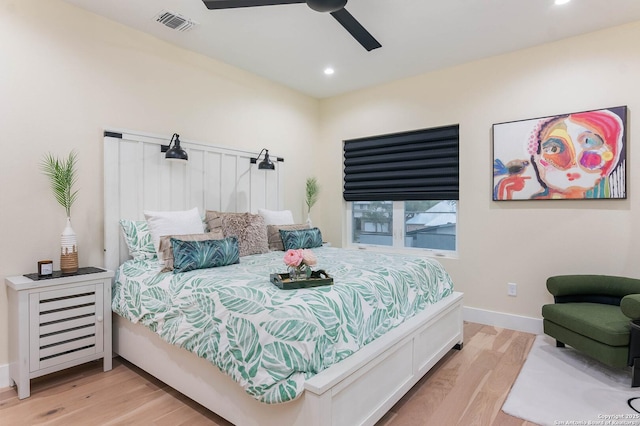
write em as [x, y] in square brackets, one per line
[174, 153]
[266, 163]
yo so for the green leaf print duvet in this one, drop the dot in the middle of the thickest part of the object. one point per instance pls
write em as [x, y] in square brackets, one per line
[270, 340]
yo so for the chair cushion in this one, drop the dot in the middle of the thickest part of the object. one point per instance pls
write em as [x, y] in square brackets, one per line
[604, 323]
[614, 356]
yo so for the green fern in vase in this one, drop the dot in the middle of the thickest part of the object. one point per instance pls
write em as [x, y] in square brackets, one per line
[62, 174]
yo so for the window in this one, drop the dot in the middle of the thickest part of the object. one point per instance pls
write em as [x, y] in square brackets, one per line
[423, 224]
[402, 189]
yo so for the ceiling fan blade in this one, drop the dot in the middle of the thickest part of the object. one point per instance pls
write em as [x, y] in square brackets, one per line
[230, 4]
[355, 29]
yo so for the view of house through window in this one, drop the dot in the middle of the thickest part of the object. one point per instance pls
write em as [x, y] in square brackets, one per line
[373, 222]
[426, 224]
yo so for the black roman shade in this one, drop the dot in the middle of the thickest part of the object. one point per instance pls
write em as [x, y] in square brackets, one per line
[416, 165]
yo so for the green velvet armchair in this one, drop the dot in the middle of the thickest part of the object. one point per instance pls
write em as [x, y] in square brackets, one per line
[598, 315]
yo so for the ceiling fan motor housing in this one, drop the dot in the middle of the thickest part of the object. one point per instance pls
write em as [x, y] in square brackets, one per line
[326, 5]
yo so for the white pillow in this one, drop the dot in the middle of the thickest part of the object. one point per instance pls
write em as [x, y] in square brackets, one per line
[172, 223]
[276, 217]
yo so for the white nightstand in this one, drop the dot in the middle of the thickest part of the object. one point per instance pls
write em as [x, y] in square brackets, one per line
[56, 323]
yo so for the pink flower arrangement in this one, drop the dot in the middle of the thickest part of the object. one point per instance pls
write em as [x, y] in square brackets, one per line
[300, 262]
[299, 257]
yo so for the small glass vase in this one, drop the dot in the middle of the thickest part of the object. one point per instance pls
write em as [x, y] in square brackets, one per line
[299, 273]
[294, 273]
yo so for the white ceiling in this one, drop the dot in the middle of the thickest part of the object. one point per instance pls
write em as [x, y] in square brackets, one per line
[292, 44]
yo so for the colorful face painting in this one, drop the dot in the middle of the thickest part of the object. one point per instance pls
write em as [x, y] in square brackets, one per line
[570, 156]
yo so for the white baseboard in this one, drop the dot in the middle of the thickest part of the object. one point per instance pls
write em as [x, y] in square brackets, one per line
[500, 319]
[4, 376]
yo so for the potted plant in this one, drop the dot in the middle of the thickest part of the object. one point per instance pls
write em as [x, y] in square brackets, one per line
[312, 191]
[62, 174]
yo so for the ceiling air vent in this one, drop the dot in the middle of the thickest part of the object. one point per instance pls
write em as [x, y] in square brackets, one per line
[175, 21]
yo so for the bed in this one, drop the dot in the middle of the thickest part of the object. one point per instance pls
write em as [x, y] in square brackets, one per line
[350, 384]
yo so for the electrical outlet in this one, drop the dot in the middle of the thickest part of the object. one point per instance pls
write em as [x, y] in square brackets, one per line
[512, 289]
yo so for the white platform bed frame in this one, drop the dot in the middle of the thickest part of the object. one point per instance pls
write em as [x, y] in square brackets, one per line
[356, 391]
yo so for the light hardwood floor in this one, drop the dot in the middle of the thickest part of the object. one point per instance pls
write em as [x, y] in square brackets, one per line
[467, 387]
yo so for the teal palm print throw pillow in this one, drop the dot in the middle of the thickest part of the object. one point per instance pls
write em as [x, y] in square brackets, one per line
[190, 255]
[301, 239]
[138, 238]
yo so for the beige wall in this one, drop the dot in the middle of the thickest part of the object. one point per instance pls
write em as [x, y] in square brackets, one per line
[521, 242]
[66, 75]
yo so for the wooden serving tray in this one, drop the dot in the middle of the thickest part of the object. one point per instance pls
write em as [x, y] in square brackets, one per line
[317, 278]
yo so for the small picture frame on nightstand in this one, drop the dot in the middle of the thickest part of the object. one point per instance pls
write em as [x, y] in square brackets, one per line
[45, 268]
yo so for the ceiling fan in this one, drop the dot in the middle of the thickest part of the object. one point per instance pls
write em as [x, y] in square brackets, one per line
[335, 7]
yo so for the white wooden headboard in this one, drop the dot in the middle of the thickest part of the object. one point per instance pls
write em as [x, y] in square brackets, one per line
[137, 177]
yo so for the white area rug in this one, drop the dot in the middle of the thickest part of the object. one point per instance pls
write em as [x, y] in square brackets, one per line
[560, 386]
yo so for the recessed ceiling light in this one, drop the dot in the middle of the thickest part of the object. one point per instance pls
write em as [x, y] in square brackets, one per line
[329, 71]
[559, 2]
